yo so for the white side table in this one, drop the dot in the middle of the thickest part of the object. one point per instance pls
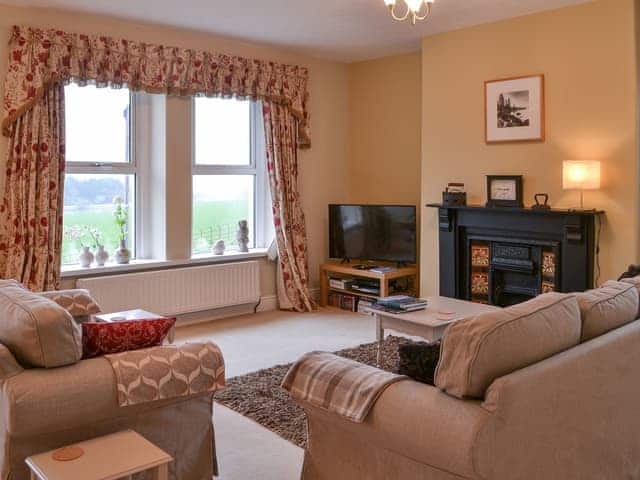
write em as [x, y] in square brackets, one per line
[111, 457]
[137, 314]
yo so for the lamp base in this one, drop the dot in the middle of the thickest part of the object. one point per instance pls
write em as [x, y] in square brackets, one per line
[581, 209]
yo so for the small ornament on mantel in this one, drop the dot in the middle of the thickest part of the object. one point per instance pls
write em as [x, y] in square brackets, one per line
[219, 247]
[243, 236]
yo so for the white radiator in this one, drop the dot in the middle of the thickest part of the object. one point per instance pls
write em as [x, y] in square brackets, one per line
[178, 291]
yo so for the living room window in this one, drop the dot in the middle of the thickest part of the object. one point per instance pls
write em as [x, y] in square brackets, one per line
[100, 168]
[229, 180]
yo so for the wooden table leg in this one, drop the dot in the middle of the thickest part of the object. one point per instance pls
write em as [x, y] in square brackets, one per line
[160, 473]
[324, 288]
[380, 338]
[384, 287]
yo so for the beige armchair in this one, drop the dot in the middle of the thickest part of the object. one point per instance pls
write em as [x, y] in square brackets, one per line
[45, 408]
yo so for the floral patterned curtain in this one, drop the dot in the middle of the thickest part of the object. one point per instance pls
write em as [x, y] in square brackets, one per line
[31, 212]
[40, 58]
[288, 217]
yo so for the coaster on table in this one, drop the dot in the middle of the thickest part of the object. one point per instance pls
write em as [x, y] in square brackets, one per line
[67, 454]
[444, 314]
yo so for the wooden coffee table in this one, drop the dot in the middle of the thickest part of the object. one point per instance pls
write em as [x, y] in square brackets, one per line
[136, 314]
[114, 456]
[430, 323]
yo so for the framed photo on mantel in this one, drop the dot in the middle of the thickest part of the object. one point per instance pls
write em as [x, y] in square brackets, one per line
[504, 191]
[514, 109]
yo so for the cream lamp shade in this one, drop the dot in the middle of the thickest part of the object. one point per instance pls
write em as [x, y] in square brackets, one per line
[580, 175]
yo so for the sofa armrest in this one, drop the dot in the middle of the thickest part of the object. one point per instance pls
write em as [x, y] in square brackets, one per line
[413, 420]
[572, 416]
[44, 400]
[9, 366]
[166, 372]
[78, 302]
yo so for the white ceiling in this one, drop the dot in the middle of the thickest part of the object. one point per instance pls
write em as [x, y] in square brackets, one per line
[342, 30]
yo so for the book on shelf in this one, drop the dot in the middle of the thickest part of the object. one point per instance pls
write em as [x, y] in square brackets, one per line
[341, 283]
[365, 289]
[343, 301]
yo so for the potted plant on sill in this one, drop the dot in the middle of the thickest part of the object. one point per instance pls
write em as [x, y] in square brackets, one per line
[121, 217]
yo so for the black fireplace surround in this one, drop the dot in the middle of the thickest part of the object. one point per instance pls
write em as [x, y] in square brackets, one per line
[503, 256]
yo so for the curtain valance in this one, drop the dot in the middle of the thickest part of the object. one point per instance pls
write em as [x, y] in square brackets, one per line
[38, 58]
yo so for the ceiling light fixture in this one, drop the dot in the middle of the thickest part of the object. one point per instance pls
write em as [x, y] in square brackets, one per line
[416, 9]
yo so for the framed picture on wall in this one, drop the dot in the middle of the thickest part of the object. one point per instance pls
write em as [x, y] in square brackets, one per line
[514, 109]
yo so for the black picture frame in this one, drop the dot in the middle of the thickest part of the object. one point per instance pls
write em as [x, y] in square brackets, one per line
[516, 203]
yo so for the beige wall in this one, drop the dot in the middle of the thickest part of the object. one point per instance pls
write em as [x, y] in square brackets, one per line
[385, 114]
[323, 169]
[367, 118]
[587, 54]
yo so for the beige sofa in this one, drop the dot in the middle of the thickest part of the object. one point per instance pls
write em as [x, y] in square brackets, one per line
[572, 415]
[46, 408]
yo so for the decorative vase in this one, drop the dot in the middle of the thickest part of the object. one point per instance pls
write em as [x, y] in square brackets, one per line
[243, 236]
[122, 254]
[218, 248]
[86, 257]
[101, 256]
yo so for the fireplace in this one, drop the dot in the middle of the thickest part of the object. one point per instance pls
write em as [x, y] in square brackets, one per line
[504, 256]
[505, 272]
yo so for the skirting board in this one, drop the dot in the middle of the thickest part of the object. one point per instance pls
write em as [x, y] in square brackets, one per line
[267, 303]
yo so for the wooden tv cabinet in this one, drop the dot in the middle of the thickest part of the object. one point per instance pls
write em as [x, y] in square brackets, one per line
[347, 270]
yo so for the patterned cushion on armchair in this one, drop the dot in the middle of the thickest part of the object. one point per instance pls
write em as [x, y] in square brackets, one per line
[78, 302]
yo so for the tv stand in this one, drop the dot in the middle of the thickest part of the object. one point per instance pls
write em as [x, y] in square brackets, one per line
[351, 271]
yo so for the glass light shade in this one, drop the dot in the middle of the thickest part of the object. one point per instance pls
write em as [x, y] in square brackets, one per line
[414, 5]
[580, 175]
[389, 3]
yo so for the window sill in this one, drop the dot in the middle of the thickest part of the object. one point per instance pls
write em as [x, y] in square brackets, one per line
[74, 271]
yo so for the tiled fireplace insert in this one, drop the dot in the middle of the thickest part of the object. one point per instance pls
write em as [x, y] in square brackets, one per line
[503, 256]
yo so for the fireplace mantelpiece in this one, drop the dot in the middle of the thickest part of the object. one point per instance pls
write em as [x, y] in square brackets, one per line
[518, 243]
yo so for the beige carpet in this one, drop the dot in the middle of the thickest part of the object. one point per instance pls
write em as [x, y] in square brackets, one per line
[249, 343]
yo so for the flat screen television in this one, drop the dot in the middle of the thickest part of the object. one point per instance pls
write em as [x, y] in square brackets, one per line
[373, 232]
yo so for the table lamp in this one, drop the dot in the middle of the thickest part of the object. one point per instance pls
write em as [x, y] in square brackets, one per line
[581, 175]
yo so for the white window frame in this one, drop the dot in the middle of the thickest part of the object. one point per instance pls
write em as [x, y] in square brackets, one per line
[120, 168]
[256, 167]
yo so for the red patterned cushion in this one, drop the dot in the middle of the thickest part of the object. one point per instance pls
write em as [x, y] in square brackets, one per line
[102, 338]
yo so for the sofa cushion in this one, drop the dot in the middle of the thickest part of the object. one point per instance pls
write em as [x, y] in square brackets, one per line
[38, 331]
[104, 338]
[611, 306]
[9, 367]
[635, 281]
[78, 302]
[477, 350]
[418, 360]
